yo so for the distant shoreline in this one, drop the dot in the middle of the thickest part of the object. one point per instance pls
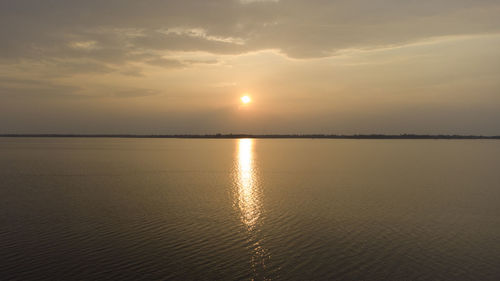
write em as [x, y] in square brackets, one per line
[238, 136]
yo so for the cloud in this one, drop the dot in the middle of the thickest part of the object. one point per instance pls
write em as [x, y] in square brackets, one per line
[135, 93]
[116, 31]
[165, 63]
[22, 88]
[43, 89]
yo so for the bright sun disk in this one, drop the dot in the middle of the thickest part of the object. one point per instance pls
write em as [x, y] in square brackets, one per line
[246, 99]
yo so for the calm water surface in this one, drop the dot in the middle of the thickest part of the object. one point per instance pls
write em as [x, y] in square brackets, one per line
[182, 209]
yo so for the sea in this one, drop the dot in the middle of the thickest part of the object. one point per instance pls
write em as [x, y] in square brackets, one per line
[249, 209]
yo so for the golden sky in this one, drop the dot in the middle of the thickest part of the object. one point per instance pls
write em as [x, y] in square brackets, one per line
[181, 66]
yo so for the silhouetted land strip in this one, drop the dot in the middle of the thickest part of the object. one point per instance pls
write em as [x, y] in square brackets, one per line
[238, 136]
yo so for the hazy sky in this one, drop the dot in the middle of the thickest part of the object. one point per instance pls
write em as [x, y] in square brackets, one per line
[311, 66]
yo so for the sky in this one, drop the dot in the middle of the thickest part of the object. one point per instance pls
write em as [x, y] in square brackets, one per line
[309, 66]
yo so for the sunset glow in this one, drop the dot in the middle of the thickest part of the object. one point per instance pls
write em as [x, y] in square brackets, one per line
[250, 140]
[343, 67]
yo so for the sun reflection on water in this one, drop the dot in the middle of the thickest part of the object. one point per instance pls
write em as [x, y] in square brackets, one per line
[248, 197]
[248, 201]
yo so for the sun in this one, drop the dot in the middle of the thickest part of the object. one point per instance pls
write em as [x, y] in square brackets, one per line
[246, 99]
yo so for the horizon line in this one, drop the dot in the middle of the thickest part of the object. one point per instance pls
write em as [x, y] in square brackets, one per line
[261, 136]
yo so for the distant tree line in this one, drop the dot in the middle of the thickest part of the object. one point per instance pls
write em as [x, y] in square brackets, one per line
[267, 136]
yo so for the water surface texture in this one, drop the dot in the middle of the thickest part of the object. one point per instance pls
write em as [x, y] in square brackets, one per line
[203, 209]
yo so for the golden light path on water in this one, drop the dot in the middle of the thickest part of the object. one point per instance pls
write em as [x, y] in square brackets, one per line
[248, 201]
